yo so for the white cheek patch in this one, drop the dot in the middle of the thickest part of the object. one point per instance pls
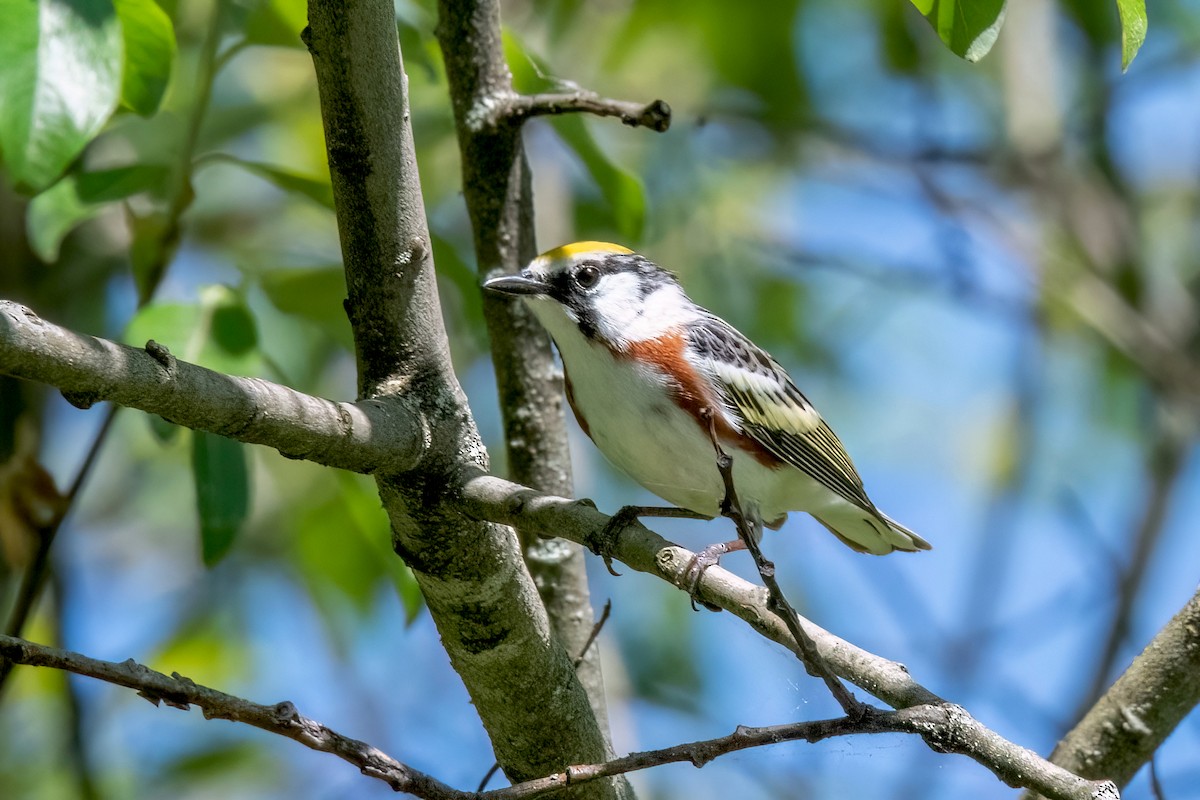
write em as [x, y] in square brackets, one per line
[623, 314]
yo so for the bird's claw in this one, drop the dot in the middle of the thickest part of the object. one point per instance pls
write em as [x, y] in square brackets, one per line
[603, 543]
[708, 557]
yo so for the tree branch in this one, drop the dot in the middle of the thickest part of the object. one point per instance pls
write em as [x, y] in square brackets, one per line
[281, 718]
[645, 551]
[945, 727]
[517, 108]
[369, 436]
[489, 497]
[1167, 459]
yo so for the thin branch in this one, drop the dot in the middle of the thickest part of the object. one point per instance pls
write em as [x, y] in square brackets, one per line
[596, 628]
[1167, 458]
[655, 115]
[149, 274]
[941, 726]
[281, 718]
[945, 727]
[35, 574]
[1156, 787]
[1129, 331]
[489, 497]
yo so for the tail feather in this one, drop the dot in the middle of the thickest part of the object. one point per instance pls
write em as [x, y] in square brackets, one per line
[865, 532]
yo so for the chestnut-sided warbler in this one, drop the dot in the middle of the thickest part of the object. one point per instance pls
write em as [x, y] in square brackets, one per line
[652, 378]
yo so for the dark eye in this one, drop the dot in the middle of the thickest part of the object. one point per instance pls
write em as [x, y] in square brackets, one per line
[587, 276]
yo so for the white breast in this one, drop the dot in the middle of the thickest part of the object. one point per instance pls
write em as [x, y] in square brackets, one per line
[631, 417]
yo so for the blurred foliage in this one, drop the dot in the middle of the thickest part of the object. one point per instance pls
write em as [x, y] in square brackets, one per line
[884, 217]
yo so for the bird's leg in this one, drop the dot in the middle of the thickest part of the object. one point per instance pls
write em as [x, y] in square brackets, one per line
[602, 544]
[749, 528]
[730, 507]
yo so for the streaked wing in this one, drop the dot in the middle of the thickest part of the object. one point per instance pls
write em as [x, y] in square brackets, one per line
[772, 410]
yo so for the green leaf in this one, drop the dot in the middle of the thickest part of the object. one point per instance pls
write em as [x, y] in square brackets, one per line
[79, 196]
[314, 293]
[233, 329]
[414, 25]
[968, 27]
[530, 73]
[149, 54]
[118, 183]
[276, 23]
[53, 214]
[165, 432]
[173, 325]
[316, 189]
[219, 333]
[222, 492]
[1133, 29]
[60, 79]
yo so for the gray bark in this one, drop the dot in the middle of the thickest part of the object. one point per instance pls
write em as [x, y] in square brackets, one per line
[499, 197]
[474, 582]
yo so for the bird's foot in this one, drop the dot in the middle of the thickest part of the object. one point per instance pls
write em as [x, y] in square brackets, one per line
[603, 543]
[708, 557]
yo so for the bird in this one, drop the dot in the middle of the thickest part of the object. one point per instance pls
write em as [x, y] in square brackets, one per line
[659, 383]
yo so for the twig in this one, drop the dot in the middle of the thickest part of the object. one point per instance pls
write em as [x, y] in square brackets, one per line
[1167, 461]
[1156, 787]
[487, 778]
[809, 655]
[599, 626]
[281, 718]
[35, 575]
[946, 727]
[655, 115]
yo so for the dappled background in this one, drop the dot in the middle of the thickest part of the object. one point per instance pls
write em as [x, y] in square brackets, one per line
[983, 275]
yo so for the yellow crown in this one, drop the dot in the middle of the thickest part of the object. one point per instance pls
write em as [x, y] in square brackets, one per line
[578, 248]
